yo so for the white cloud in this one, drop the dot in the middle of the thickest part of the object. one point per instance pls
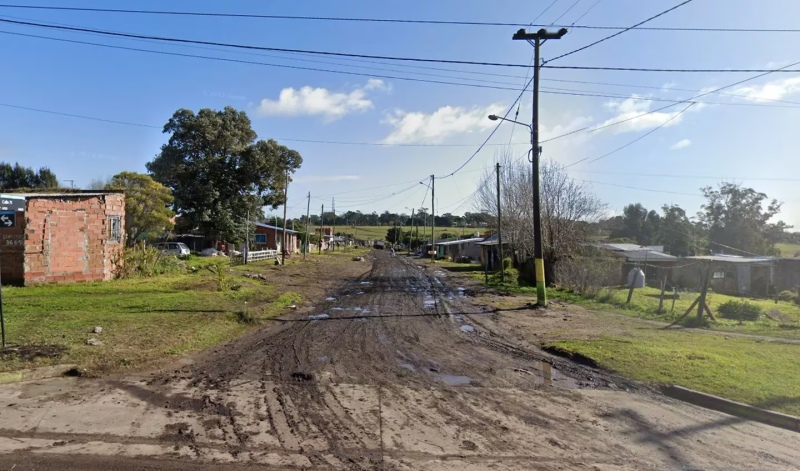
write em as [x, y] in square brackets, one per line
[308, 101]
[631, 109]
[326, 178]
[682, 144]
[774, 90]
[447, 121]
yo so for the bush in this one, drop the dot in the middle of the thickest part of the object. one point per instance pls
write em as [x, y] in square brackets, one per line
[587, 275]
[787, 295]
[740, 311]
[507, 263]
[219, 267]
[145, 261]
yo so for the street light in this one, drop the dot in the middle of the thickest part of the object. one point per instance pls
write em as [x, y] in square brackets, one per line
[541, 291]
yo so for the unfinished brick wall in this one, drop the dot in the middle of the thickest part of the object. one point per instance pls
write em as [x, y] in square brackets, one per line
[67, 238]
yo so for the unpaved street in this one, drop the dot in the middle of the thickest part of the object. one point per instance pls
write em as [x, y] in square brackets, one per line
[397, 369]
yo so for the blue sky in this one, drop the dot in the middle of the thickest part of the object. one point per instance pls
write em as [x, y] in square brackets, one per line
[732, 140]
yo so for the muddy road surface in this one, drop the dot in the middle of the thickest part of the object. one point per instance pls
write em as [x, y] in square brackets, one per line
[395, 370]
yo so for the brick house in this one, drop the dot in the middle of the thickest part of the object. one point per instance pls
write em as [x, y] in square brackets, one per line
[269, 237]
[61, 237]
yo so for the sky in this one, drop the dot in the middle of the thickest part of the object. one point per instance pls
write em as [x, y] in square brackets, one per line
[416, 129]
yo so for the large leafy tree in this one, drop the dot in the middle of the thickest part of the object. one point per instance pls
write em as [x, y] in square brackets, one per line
[738, 220]
[219, 172]
[678, 233]
[147, 204]
[638, 224]
[17, 176]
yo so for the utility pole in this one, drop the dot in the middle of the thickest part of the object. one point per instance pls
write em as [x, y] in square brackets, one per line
[333, 230]
[321, 227]
[411, 231]
[308, 214]
[499, 229]
[285, 203]
[536, 39]
[433, 222]
[246, 237]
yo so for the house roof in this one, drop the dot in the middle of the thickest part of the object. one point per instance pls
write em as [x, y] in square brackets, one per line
[461, 241]
[276, 228]
[639, 253]
[491, 240]
[732, 258]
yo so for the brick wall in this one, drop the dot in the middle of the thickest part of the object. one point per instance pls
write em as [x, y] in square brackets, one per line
[67, 238]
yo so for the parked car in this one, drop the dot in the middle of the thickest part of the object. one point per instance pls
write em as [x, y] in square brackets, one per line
[173, 248]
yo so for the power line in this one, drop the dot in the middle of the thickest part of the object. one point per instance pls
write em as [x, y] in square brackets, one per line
[635, 140]
[637, 188]
[540, 14]
[700, 177]
[246, 46]
[397, 20]
[241, 61]
[585, 13]
[483, 144]
[643, 69]
[71, 115]
[619, 32]
[567, 10]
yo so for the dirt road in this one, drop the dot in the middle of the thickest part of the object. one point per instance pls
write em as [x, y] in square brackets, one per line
[395, 370]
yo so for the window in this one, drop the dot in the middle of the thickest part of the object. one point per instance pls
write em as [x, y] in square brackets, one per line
[260, 238]
[114, 229]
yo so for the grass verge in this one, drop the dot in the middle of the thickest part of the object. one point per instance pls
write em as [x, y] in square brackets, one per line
[762, 374]
[782, 319]
[149, 320]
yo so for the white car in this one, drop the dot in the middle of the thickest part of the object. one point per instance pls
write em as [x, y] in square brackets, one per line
[173, 248]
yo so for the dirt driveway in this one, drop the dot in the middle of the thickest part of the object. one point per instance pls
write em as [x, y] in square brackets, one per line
[397, 369]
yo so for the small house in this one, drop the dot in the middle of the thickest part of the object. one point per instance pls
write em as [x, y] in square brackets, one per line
[731, 274]
[61, 236]
[267, 237]
[490, 257]
[651, 259]
[454, 250]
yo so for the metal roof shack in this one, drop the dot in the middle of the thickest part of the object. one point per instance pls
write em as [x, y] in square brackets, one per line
[461, 241]
[639, 253]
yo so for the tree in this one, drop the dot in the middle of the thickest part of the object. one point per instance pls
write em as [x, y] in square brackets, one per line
[565, 204]
[394, 235]
[17, 176]
[218, 172]
[147, 204]
[737, 221]
[98, 184]
[678, 233]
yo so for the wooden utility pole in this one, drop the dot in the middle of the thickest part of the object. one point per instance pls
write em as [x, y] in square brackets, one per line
[333, 230]
[246, 237]
[411, 231]
[285, 204]
[433, 222]
[499, 229]
[536, 40]
[321, 227]
[308, 215]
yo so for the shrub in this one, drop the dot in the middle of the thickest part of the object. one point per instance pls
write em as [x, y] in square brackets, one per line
[145, 261]
[587, 275]
[507, 263]
[219, 267]
[740, 311]
[787, 295]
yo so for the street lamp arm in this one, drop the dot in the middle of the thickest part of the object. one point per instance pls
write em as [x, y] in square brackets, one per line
[494, 117]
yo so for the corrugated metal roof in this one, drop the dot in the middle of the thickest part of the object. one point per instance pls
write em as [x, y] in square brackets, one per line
[647, 256]
[732, 258]
[57, 195]
[461, 241]
[288, 231]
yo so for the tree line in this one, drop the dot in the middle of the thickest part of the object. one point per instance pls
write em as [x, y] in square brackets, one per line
[387, 218]
[734, 220]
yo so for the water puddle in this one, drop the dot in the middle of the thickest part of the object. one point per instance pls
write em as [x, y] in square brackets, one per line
[337, 309]
[454, 380]
[324, 359]
[467, 328]
[359, 293]
[315, 317]
[366, 282]
[408, 366]
[458, 318]
[330, 299]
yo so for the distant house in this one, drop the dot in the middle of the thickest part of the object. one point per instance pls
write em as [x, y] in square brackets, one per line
[651, 259]
[267, 237]
[62, 236]
[489, 253]
[455, 249]
[731, 274]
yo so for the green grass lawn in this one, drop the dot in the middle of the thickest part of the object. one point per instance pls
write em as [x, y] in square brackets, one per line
[788, 250]
[783, 318]
[144, 320]
[760, 373]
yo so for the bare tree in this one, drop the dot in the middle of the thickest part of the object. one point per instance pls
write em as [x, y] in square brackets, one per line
[567, 205]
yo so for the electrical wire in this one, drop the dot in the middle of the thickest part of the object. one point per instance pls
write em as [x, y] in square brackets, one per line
[637, 188]
[250, 47]
[674, 116]
[567, 10]
[585, 13]
[701, 177]
[583, 48]
[644, 69]
[540, 14]
[396, 20]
